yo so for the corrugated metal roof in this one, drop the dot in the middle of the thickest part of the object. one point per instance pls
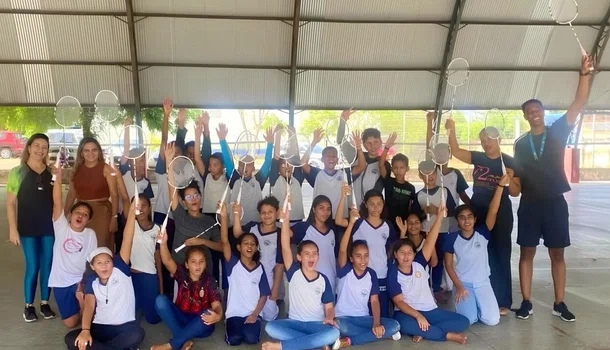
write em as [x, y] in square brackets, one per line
[332, 89]
[72, 5]
[366, 45]
[213, 41]
[209, 86]
[522, 46]
[15, 92]
[536, 10]
[283, 8]
[439, 10]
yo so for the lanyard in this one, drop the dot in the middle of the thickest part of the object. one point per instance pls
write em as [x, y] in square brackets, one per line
[534, 153]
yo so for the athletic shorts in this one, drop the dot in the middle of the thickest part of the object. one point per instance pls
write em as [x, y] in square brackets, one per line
[547, 219]
[65, 297]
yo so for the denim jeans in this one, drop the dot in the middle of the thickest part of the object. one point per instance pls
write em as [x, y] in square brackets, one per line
[299, 335]
[184, 326]
[360, 329]
[441, 322]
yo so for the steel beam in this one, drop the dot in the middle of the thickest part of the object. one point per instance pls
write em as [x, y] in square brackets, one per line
[293, 61]
[133, 50]
[456, 19]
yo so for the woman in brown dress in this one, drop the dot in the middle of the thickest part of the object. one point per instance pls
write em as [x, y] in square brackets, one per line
[95, 182]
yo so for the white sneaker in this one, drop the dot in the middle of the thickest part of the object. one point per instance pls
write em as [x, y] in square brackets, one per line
[337, 344]
[396, 336]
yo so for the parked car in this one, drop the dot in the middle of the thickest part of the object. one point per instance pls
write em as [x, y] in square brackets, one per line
[12, 144]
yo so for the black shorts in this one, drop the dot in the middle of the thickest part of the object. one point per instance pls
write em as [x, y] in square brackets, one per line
[547, 219]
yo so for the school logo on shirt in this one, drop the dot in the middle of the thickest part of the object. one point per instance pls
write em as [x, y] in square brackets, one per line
[266, 243]
[384, 236]
[374, 171]
[332, 243]
[254, 282]
[364, 292]
[252, 184]
[418, 274]
[477, 244]
[318, 291]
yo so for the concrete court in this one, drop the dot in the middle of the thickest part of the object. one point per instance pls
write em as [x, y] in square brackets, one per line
[587, 294]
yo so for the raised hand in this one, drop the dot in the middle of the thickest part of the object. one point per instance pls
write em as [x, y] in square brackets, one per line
[430, 116]
[204, 118]
[181, 117]
[354, 215]
[168, 106]
[170, 151]
[346, 190]
[161, 237]
[391, 141]
[128, 121]
[318, 134]
[268, 136]
[587, 65]
[237, 209]
[222, 131]
[450, 124]
[402, 225]
[347, 113]
[198, 129]
[357, 140]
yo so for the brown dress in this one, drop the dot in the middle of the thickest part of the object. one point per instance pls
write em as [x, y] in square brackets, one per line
[91, 186]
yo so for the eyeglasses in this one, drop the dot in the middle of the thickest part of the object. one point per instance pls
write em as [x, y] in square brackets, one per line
[192, 197]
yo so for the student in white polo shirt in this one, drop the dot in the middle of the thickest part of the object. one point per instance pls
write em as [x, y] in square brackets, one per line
[415, 308]
[266, 232]
[378, 233]
[249, 287]
[109, 316]
[312, 313]
[359, 287]
[73, 243]
[320, 229]
[474, 296]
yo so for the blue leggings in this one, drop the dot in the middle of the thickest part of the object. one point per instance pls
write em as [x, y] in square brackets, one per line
[38, 252]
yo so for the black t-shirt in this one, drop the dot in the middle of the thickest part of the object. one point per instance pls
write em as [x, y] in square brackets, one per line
[544, 178]
[398, 198]
[34, 200]
[486, 174]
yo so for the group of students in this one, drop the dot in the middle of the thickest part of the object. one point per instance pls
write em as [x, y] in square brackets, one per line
[399, 251]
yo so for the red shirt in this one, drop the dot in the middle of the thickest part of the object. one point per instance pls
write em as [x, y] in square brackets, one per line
[195, 296]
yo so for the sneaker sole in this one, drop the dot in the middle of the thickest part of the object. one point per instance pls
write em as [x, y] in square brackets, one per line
[531, 312]
[555, 313]
[29, 321]
[49, 317]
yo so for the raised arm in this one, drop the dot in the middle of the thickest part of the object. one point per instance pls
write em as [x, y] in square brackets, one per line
[430, 116]
[432, 236]
[222, 132]
[168, 106]
[58, 207]
[237, 229]
[347, 235]
[360, 158]
[459, 153]
[181, 132]
[263, 172]
[224, 232]
[391, 141]
[114, 198]
[347, 150]
[206, 148]
[70, 197]
[198, 159]
[169, 151]
[285, 238]
[128, 235]
[492, 212]
[317, 137]
[582, 92]
[166, 255]
[339, 219]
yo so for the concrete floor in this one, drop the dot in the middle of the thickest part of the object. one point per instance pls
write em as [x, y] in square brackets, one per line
[587, 293]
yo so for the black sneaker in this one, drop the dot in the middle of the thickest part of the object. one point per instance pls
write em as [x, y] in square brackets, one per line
[29, 314]
[525, 310]
[47, 313]
[561, 310]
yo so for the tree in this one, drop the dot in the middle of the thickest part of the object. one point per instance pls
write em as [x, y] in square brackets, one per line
[257, 120]
[27, 120]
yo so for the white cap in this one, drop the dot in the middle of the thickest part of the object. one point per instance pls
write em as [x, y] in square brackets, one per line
[98, 251]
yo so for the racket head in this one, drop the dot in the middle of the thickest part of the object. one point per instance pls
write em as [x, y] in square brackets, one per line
[441, 152]
[457, 72]
[495, 124]
[181, 172]
[136, 138]
[331, 131]
[245, 152]
[293, 150]
[425, 163]
[107, 106]
[67, 112]
[563, 11]
[347, 159]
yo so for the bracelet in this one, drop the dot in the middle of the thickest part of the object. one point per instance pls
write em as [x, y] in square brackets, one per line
[85, 329]
[500, 185]
[585, 74]
[386, 148]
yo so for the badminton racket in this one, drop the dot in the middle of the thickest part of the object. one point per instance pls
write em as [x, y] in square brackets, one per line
[291, 156]
[67, 114]
[346, 150]
[107, 111]
[439, 145]
[207, 229]
[565, 12]
[181, 173]
[495, 129]
[134, 147]
[457, 74]
[426, 167]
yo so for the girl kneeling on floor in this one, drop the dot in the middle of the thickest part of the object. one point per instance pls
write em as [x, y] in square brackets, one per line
[415, 308]
[311, 322]
[474, 297]
[109, 315]
[197, 308]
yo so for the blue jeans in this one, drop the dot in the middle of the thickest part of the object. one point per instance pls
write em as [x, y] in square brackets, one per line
[38, 253]
[360, 329]
[441, 322]
[146, 290]
[110, 337]
[184, 326]
[480, 304]
[437, 271]
[237, 331]
[299, 335]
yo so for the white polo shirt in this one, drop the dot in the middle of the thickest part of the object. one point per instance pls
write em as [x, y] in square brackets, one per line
[413, 286]
[307, 297]
[247, 287]
[355, 291]
[471, 258]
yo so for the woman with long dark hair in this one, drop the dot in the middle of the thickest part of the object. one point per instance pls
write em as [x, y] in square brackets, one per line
[29, 207]
[95, 182]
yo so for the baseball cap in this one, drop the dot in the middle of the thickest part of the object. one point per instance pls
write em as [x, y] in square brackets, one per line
[98, 251]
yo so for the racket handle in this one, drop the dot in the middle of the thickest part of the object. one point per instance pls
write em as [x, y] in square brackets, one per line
[354, 205]
[427, 217]
[54, 178]
[137, 197]
[285, 207]
[179, 248]
[224, 197]
[239, 195]
[163, 228]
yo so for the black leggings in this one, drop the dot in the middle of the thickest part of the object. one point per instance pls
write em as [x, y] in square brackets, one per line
[108, 337]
